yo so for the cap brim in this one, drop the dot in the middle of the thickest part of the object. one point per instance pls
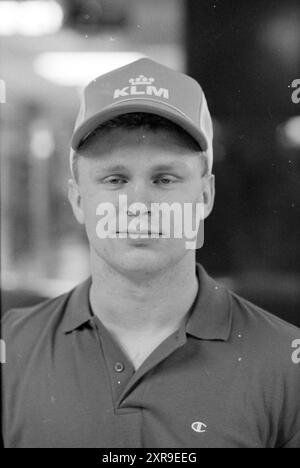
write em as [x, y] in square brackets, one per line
[139, 105]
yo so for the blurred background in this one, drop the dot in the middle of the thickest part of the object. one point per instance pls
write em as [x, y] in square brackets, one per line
[246, 55]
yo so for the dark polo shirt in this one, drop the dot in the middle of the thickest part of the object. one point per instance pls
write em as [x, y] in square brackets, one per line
[225, 379]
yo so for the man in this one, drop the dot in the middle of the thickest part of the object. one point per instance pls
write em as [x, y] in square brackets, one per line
[150, 351]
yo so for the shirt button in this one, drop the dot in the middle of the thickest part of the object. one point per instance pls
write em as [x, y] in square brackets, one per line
[119, 367]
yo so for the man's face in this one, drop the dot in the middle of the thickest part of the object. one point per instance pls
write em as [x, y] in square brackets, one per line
[148, 167]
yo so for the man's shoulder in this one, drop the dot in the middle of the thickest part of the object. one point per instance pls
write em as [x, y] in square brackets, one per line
[244, 318]
[18, 318]
[22, 327]
[263, 333]
[260, 320]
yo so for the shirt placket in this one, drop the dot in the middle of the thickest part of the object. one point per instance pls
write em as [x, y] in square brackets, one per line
[122, 375]
[119, 368]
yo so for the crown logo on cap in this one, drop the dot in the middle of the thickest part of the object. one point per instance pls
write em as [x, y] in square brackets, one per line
[141, 80]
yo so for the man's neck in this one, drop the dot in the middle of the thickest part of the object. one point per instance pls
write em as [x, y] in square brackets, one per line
[128, 305]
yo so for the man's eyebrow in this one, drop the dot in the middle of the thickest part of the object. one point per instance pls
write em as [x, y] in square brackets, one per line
[112, 167]
[169, 167]
[158, 167]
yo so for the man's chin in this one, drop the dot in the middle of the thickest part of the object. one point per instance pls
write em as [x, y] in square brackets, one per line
[139, 263]
[142, 261]
[138, 259]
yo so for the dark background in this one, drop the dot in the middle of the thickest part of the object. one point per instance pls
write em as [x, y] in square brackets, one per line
[245, 55]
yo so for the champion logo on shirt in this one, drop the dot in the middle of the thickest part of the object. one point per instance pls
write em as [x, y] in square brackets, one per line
[198, 426]
[141, 86]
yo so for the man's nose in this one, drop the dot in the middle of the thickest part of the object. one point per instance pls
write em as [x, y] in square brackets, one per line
[140, 192]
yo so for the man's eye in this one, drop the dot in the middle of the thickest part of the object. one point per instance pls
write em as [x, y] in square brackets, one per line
[165, 180]
[114, 180]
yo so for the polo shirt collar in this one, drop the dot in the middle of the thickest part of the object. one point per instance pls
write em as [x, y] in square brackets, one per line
[78, 311]
[211, 314]
[209, 318]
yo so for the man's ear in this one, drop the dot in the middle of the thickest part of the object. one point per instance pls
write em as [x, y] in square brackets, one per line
[208, 194]
[75, 199]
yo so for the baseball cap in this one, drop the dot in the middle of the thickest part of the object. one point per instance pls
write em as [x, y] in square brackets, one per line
[145, 86]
